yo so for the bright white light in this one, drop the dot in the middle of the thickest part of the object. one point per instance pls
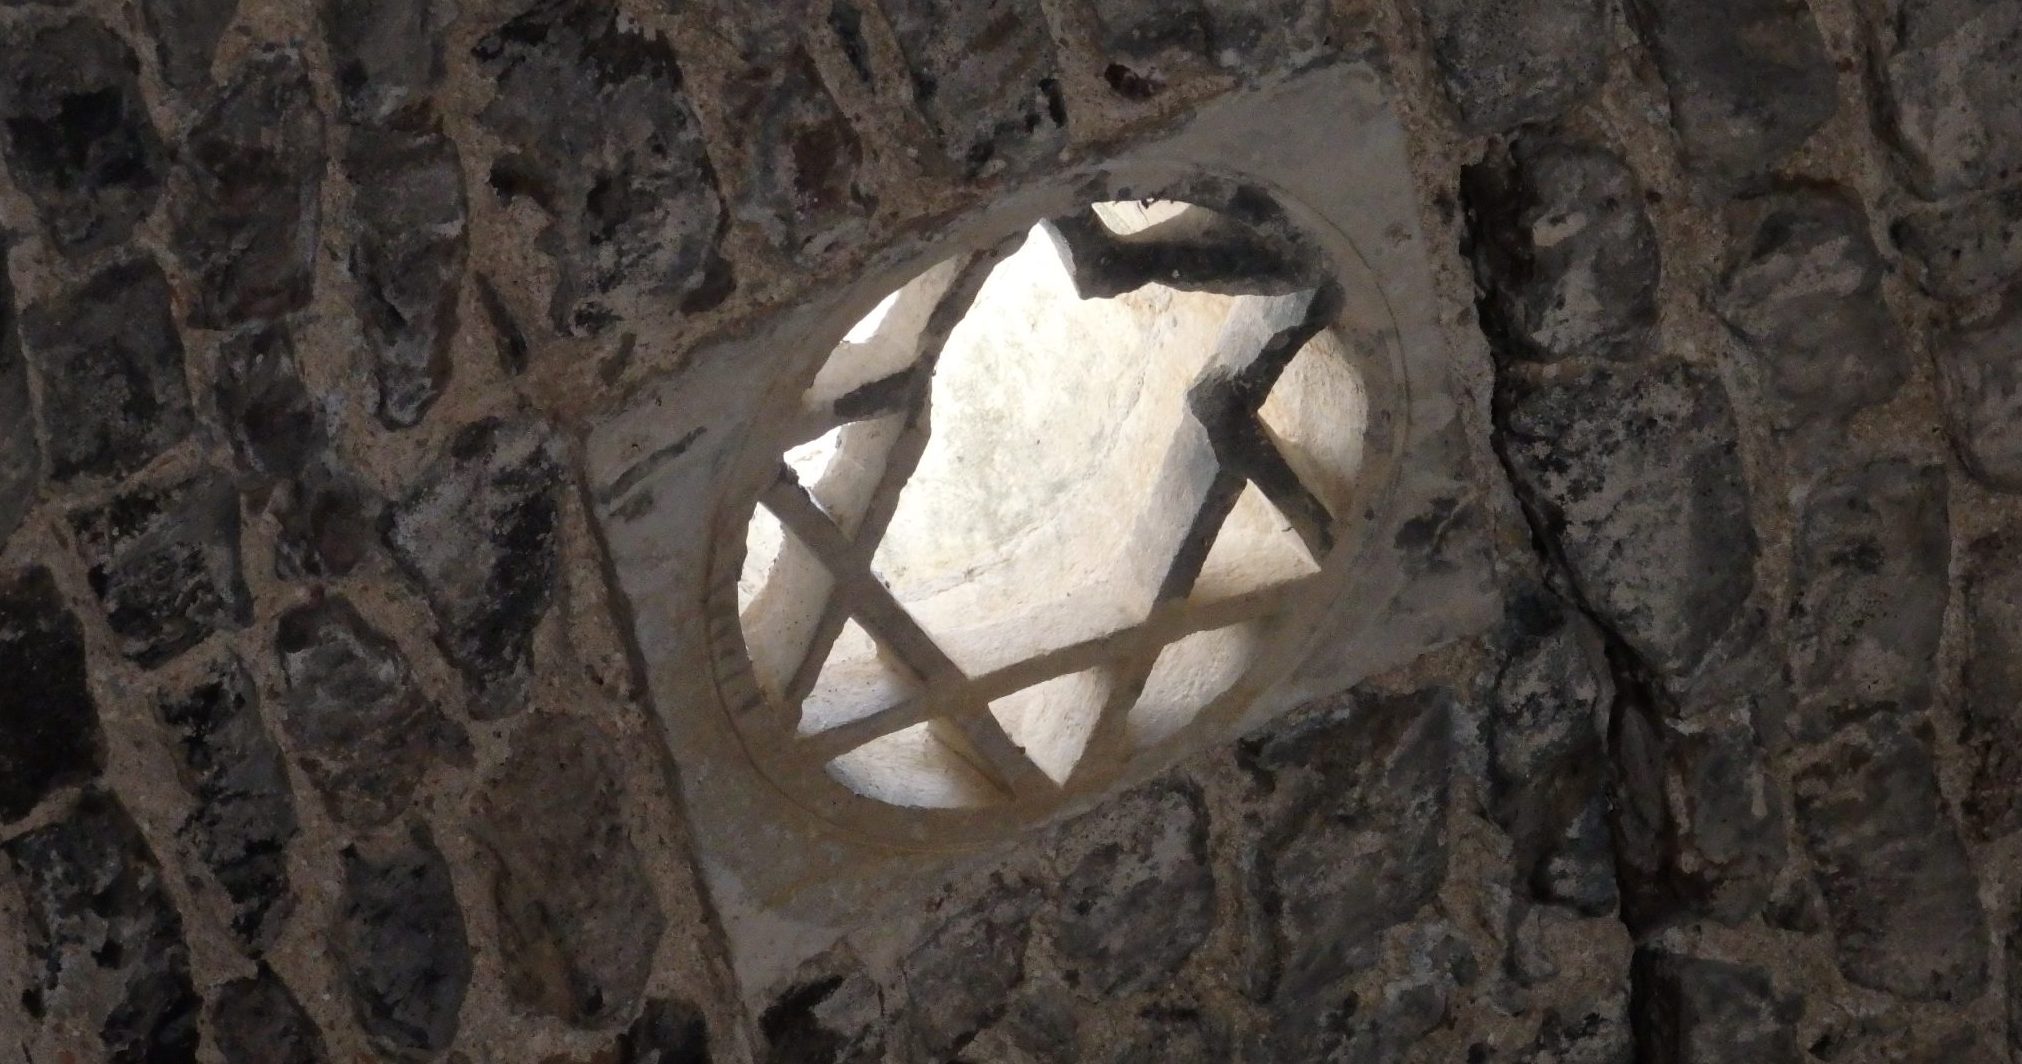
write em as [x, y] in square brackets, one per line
[868, 327]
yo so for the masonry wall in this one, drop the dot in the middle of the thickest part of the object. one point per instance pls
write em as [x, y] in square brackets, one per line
[319, 739]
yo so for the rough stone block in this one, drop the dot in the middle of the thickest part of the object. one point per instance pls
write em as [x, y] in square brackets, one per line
[968, 967]
[986, 77]
[1964, 248]
[265, 410]
[1899, 888]
[1563, 252]
[600, 136]
[1636, 482]
[257, 1020]
[401, 944]
[1750, 80]
[1512, 62]
[1871, 582]
[407, 258]
[1697, 1010]
[837, 1016]
[1980, 378]
[186, 34]
[49, 732]
[805, 157]
[577, 917]
[20, 451]
[1138, 904]
[1802, 290]
[105, 942]
[668, 1031]
[245, 808]
[365, 733]
[79, 139]
[111, 366]
[1951, 92]
[387, 54]
[329, 523]
[482, 538]
[165, 565]
[1991, 697]
[247, 217]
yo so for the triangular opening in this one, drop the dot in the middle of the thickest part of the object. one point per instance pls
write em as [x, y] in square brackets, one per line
[913, 767]
[857, 681]
[1256, 548]
[1052, 721]
[1190, 675]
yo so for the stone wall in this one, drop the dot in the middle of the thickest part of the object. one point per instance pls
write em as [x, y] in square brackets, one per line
[320, 741]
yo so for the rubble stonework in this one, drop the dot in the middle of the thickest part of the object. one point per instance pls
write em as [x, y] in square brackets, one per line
[324, 733]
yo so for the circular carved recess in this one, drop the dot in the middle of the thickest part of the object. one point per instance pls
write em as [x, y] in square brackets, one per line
[1049, 508]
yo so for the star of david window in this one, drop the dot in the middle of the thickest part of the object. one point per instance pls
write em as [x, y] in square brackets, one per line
[1047, 508]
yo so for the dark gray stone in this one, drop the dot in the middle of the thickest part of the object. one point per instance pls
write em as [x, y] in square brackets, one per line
[1873, 560]
[1512, 62]
[1040, 1027]
[1391, 1018]
[20, 451]
[1176, 1034]
[78, 137]
[407, 257]
[386, 56]
[1355, 842]
[1697, 1010]
[806, 157]
[1991, 696]
[245, 811]
[1900, 890]
[967, 967]
[165, 564]
[1634, 481]
[400, 942]
[1564, 255]
[1980, 378]
[247, 218]
[985, 76]
[1137, 905]
[1964, 248]
[105, 942]
[837, 1017]
[329, 523]
[1258, 38]
[578, 922]
[1951, 92]
[667, 1032]
[186, 34]
[111, 365]
[363, 730]
[1749, 80]
[1600, 1035]
[1149, 39]
[265, 410]
[49, 732]
[481, 536]
[1547, 782]
[599, 134]
[1802, 290]
[257, 1020]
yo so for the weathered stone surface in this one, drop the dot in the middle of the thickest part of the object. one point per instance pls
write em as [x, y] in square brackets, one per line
[1247, 37]
[78, 137]
[1258, 38]
[1137, 905]
[165, 564]
[49, 732]
[1547, 765]
[1696, 1010]
[986, 78]
[1871, 582]
[1176, 1034]
[666, 1032]
[481, 537]
[970, 963]
[1991, 697]
[1516, 61]
[265, 410]
[111, 366]
[400, 942]
[1597, 1036]
[20, 451]
[329, 523]
[1635, 481]
[601, 137]
[1356, 842]
[407, 259]
[578, 922]
[186, 36]
[362, 728]
[1389, 1021]
[806, 157]
[1980, 373]
[1564, 254]
[1802, 289]
[105, 941]
[835, 1017]
[1967, 247]
[247, 217]
[1040, 1027]
[1901, 893]
[1749, 80]
[1950, 99]
[245, 812]
[387, 55]
[257, 1020]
